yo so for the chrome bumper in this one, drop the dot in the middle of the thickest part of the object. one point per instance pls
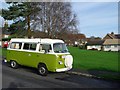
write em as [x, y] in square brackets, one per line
[63, 69]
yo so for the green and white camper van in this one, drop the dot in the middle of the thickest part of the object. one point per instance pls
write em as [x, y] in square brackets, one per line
[43, 54]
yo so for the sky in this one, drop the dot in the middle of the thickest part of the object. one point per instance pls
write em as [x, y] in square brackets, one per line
[94, 18]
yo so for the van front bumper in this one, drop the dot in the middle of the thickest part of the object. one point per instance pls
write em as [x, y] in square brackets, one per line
[63, 69]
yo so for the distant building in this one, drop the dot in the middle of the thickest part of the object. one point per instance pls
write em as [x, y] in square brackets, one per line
[112, 42]
[75, 39]
[6, 34]
[111, 45]
[112, 36]
[95, 44]
[4, 39]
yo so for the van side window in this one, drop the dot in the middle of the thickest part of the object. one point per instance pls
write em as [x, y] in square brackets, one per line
[15, 45]
[46, 46]
[33, 46]
[26, 46]
[43, 47]
[29, 46]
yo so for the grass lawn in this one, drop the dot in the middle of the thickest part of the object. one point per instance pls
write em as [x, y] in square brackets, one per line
[94, 60]
[99, 63]
[3, 52]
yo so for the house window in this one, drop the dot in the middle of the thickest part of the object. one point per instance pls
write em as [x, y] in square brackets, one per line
[97, 46]
[107, 46]
[115, 46]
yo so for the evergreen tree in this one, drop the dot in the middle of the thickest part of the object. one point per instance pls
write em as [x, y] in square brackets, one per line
[20, 13]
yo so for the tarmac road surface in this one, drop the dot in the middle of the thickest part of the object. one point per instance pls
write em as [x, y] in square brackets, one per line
[25, 77]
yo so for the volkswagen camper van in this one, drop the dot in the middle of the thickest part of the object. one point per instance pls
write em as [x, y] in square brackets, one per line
[43, 54]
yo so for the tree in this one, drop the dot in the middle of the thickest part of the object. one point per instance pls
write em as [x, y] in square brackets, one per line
[20, 13]
[5, 28]
[55, 19]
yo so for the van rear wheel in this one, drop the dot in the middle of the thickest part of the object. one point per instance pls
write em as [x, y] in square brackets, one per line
[14, 64]
[42, 70]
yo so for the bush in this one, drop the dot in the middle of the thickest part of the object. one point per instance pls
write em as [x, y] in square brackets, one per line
[82, 47]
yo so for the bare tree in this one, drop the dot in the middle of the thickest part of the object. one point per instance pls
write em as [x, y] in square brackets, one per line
[55, 19]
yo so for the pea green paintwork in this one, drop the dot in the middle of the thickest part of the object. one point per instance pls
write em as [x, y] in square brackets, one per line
[32, 59]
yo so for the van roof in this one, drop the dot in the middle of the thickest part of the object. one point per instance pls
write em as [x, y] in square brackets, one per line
[37, 40]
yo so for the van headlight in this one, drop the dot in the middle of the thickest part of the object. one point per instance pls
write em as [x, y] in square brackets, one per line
[60, 62]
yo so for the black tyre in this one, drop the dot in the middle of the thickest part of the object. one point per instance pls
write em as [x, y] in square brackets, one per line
[42, 70]
[14, 64]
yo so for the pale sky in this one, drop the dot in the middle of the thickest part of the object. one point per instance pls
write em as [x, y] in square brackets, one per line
[97, 18]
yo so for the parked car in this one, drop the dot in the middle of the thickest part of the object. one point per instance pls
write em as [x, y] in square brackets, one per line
[5, 45]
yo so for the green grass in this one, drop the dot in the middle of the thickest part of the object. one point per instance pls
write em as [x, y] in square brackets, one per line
[99, 63]
[0, 52]
[3, 52]
[94, 60]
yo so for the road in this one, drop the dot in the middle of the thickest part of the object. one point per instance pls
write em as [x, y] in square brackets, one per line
[25, 77]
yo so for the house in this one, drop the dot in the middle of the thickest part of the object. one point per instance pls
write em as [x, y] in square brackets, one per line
[111, 45]
[79, 39]
[75, 39]
[6, 34]
[4, 39]
[95, 44]
[93, 38]
[112, 36]
[112, 42]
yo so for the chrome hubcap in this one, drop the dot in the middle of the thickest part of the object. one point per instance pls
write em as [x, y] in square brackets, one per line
[42, 70]
[13, 64]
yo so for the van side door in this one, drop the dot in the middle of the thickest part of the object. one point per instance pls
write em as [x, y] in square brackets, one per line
[29, 54]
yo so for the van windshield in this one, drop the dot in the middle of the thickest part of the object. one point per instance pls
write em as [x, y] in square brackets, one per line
[60, 48]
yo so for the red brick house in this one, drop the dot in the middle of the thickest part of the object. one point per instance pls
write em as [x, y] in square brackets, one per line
[75, 39]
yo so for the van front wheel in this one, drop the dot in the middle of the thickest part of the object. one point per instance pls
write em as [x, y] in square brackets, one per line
[42, 69]
[14, 64]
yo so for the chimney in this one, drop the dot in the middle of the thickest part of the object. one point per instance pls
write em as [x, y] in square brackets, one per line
[112, 33]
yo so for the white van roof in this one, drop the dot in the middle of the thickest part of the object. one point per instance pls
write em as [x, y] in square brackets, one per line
[37, 40]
